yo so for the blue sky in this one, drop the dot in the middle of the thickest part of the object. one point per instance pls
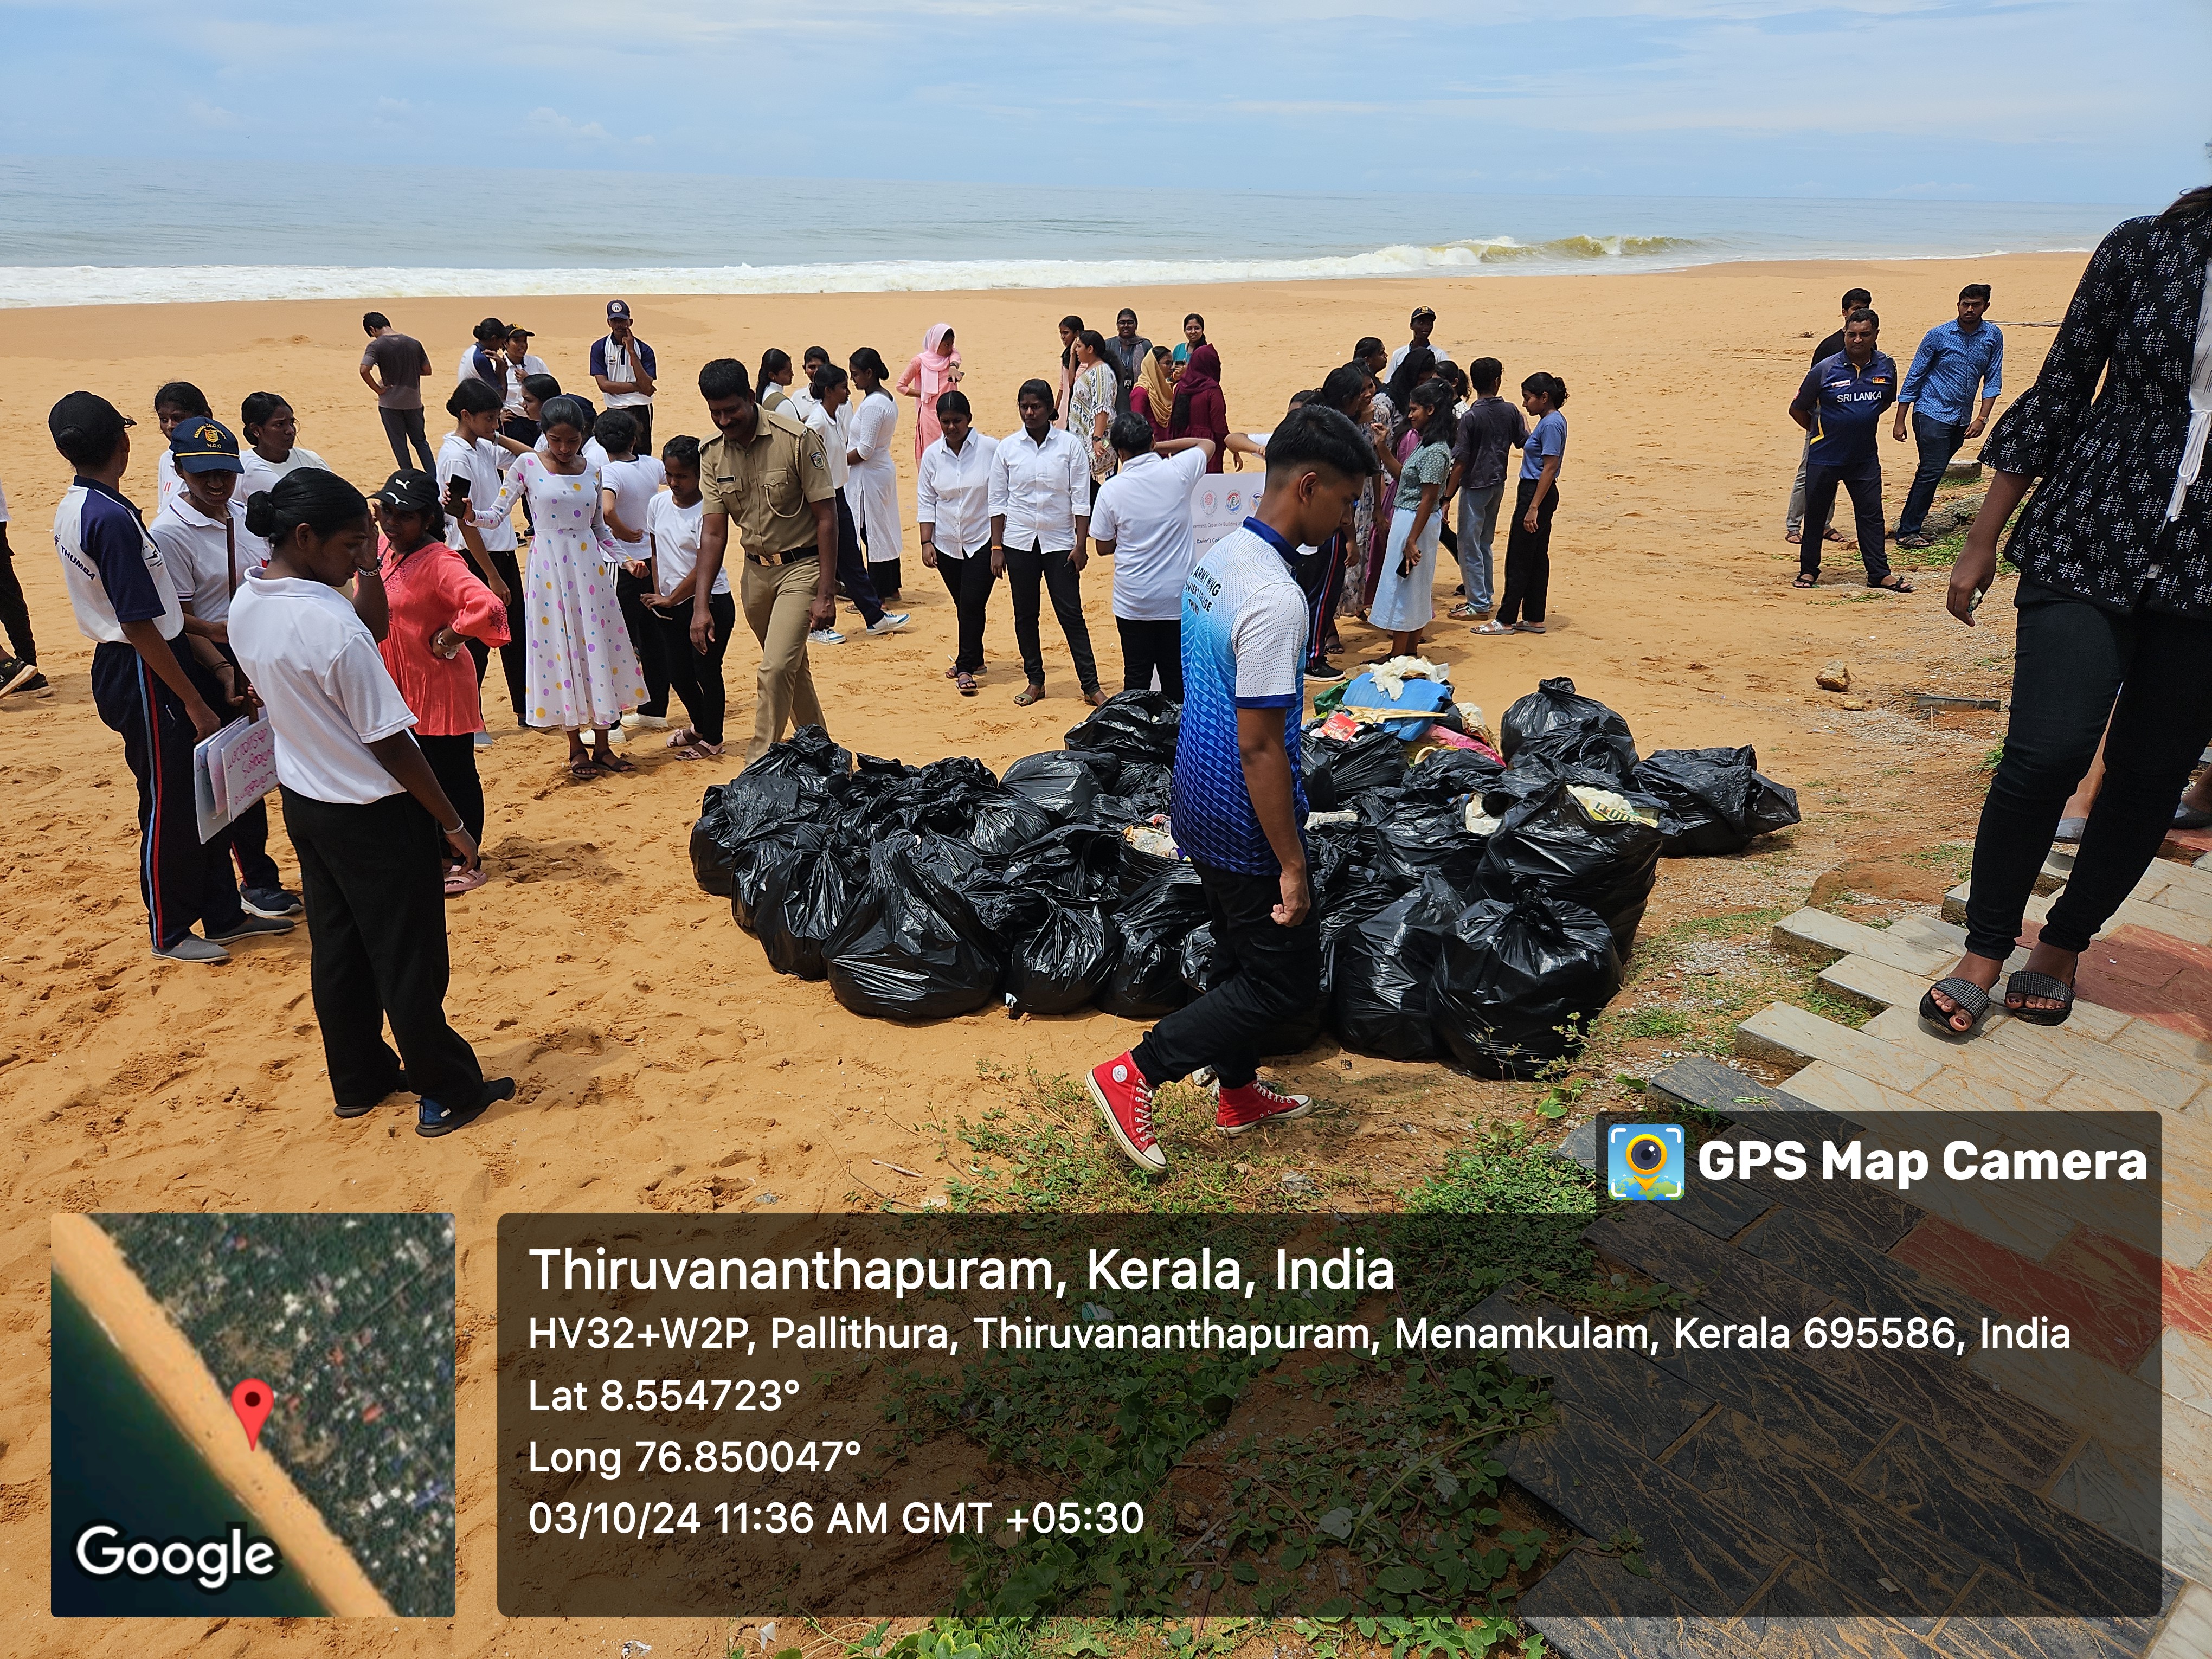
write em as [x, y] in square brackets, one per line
[2055, 100]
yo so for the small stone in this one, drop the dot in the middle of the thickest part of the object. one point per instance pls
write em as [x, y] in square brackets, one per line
[1294, 1182]
[1835, 677]
[1855, 706]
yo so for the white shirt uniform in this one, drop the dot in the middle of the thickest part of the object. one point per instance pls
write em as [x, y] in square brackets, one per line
[799, 405]
[1145, 510]
[872, 488]
[166, 481]
[478, 465]
[512, 406]
[205, 564]
[835, 439]
[674, 531]
[952, 495]
[621, 368]
[1398, 357]
[327, 690]
[634, 483]
[93, 525]
[1041, 489]
[263, 474]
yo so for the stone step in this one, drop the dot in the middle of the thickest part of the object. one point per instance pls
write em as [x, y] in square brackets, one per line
[1955, 903]
[1784, 1033]
[2187, 1632]
[1821, 937]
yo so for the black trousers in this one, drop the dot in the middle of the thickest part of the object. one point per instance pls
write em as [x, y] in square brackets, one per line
[181, 880]
[15, 615]
[453, 763]
[969, 581]
[698, 679]
[1150, 646]
[372, 879]
[249, 848]
[402, 427]
[1320, 578]
[854, 580]
[2071, 660]
[645, 638]
[1863, 481]
[1026, 567]
[883, 573]
[1273, 974]
[1527, 557]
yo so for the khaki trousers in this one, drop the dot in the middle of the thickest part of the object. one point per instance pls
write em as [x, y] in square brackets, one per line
[777, 598]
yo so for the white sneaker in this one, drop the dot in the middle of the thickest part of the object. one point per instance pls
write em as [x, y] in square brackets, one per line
[826, 636]
[889, 622]
[635, 721]
[482, 739]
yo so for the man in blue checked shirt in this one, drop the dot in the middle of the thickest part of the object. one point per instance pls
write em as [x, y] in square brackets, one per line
[1955, 360]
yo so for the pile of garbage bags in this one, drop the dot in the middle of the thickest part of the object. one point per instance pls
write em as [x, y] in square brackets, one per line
[1475, 904]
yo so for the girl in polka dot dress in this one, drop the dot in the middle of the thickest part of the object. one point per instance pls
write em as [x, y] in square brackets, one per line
[582, 671]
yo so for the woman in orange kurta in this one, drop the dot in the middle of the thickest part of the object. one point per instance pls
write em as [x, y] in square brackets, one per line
[437, 604]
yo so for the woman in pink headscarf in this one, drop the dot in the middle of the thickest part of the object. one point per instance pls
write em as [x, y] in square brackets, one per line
[934, 369]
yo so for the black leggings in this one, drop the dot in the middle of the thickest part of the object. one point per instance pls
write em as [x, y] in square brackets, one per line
[969, 581]
[1527, 558]
[1149, 645]
[402, 427]
[645, 640]
[453, 763]
[698, 679]
[15, 615]
[2071, 659]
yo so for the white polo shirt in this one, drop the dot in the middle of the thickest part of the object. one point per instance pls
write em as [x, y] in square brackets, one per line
[262, 473]
[1040, 488]
[113, 570]
[674, 532]
[831, 430]
[478, 465]
[952, 495]
[1145, 510]
[517, 372]
[634, 483]
[327, 691]
[199, 553]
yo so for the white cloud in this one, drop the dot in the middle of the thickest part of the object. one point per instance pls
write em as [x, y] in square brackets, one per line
[201, 113]
[552, 124]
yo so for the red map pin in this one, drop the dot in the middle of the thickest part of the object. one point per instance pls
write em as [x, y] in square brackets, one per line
[252, 1400]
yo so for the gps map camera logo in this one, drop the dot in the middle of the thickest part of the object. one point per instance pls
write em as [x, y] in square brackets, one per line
[1645, 1160]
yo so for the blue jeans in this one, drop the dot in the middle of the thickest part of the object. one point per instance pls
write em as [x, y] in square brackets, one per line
[1939, 442]
[1478, 530]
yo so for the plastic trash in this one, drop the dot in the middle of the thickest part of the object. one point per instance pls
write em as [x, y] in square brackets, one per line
[1557, 720]
[1146, 980]
[710, 862]
[1417, 837]
[1005, 825]
[1420, 700]
[1716, 800]
[805, 898]
[1064, 962]
[1448, 775]
[1075, 860]
[1061, 784]
[1148, 788]
[897, 955]
[758, 858]
[1382, 969]
[1137, 725]
[1337, 772]
[1552, 843]
[1519, 981]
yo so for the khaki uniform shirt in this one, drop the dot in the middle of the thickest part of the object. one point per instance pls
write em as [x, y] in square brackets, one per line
[766, 485]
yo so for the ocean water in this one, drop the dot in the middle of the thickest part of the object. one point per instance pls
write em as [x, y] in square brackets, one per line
[89, 232]
[118, 1458]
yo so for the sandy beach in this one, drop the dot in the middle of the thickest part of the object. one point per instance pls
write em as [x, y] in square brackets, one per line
[659, 1063]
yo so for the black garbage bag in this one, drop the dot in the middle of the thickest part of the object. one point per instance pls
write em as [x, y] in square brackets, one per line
[1005, 823]
[1105, 765]
[1557, 720]
[710, 860]
[1147, 789]
[1205, 965]
[805, 898]
[1716, 800]
[1059, 783]
[1146, 980]
[1137, 725]
[897, 955]
[1075, 861]
[1337, 770]
[1549, 840]
[1520, 980]
[1139, 866]
[1416, 837]
[952, 876]
[806, 753]
[758, 857]
[1382, 969]
[731, 817]
[1065, 962]
[1451, 774]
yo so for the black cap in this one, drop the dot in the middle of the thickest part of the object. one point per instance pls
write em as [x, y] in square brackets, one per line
[409, 490]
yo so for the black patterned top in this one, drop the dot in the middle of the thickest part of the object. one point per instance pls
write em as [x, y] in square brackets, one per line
[2096, 526]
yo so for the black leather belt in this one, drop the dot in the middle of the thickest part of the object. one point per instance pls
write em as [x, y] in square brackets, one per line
[791, 557]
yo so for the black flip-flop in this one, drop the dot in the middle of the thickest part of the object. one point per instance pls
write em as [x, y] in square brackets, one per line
[2025, 984]
[1805, 581]
[1894, 585]
[1969, 999]
[436, 1119]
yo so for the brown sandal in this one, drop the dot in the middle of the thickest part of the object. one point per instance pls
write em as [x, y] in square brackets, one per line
[1028, 695]
[966, 683]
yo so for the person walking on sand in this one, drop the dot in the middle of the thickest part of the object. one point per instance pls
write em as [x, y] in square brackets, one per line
[582, 673]
[1839, 405]
[1127, 351]
[771, 477]
[1040, 499]
[624, 366]
[1141, 520]
[932, 371]
[829, 394]
[437, 606]
[1793, 520]
[672, 526]
[366, 813]
[1955, 360]
[392, 367]
[1239, 805]
[1405, 599]
[2115, 612]
[146, 685]
[871, 474]
[1528, 539]
[1490, 429]
[953, 513]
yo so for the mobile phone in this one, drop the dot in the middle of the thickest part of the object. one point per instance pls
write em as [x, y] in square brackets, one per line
[458, 487]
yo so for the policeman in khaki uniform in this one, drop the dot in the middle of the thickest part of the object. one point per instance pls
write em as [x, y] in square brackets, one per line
[770, 476]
